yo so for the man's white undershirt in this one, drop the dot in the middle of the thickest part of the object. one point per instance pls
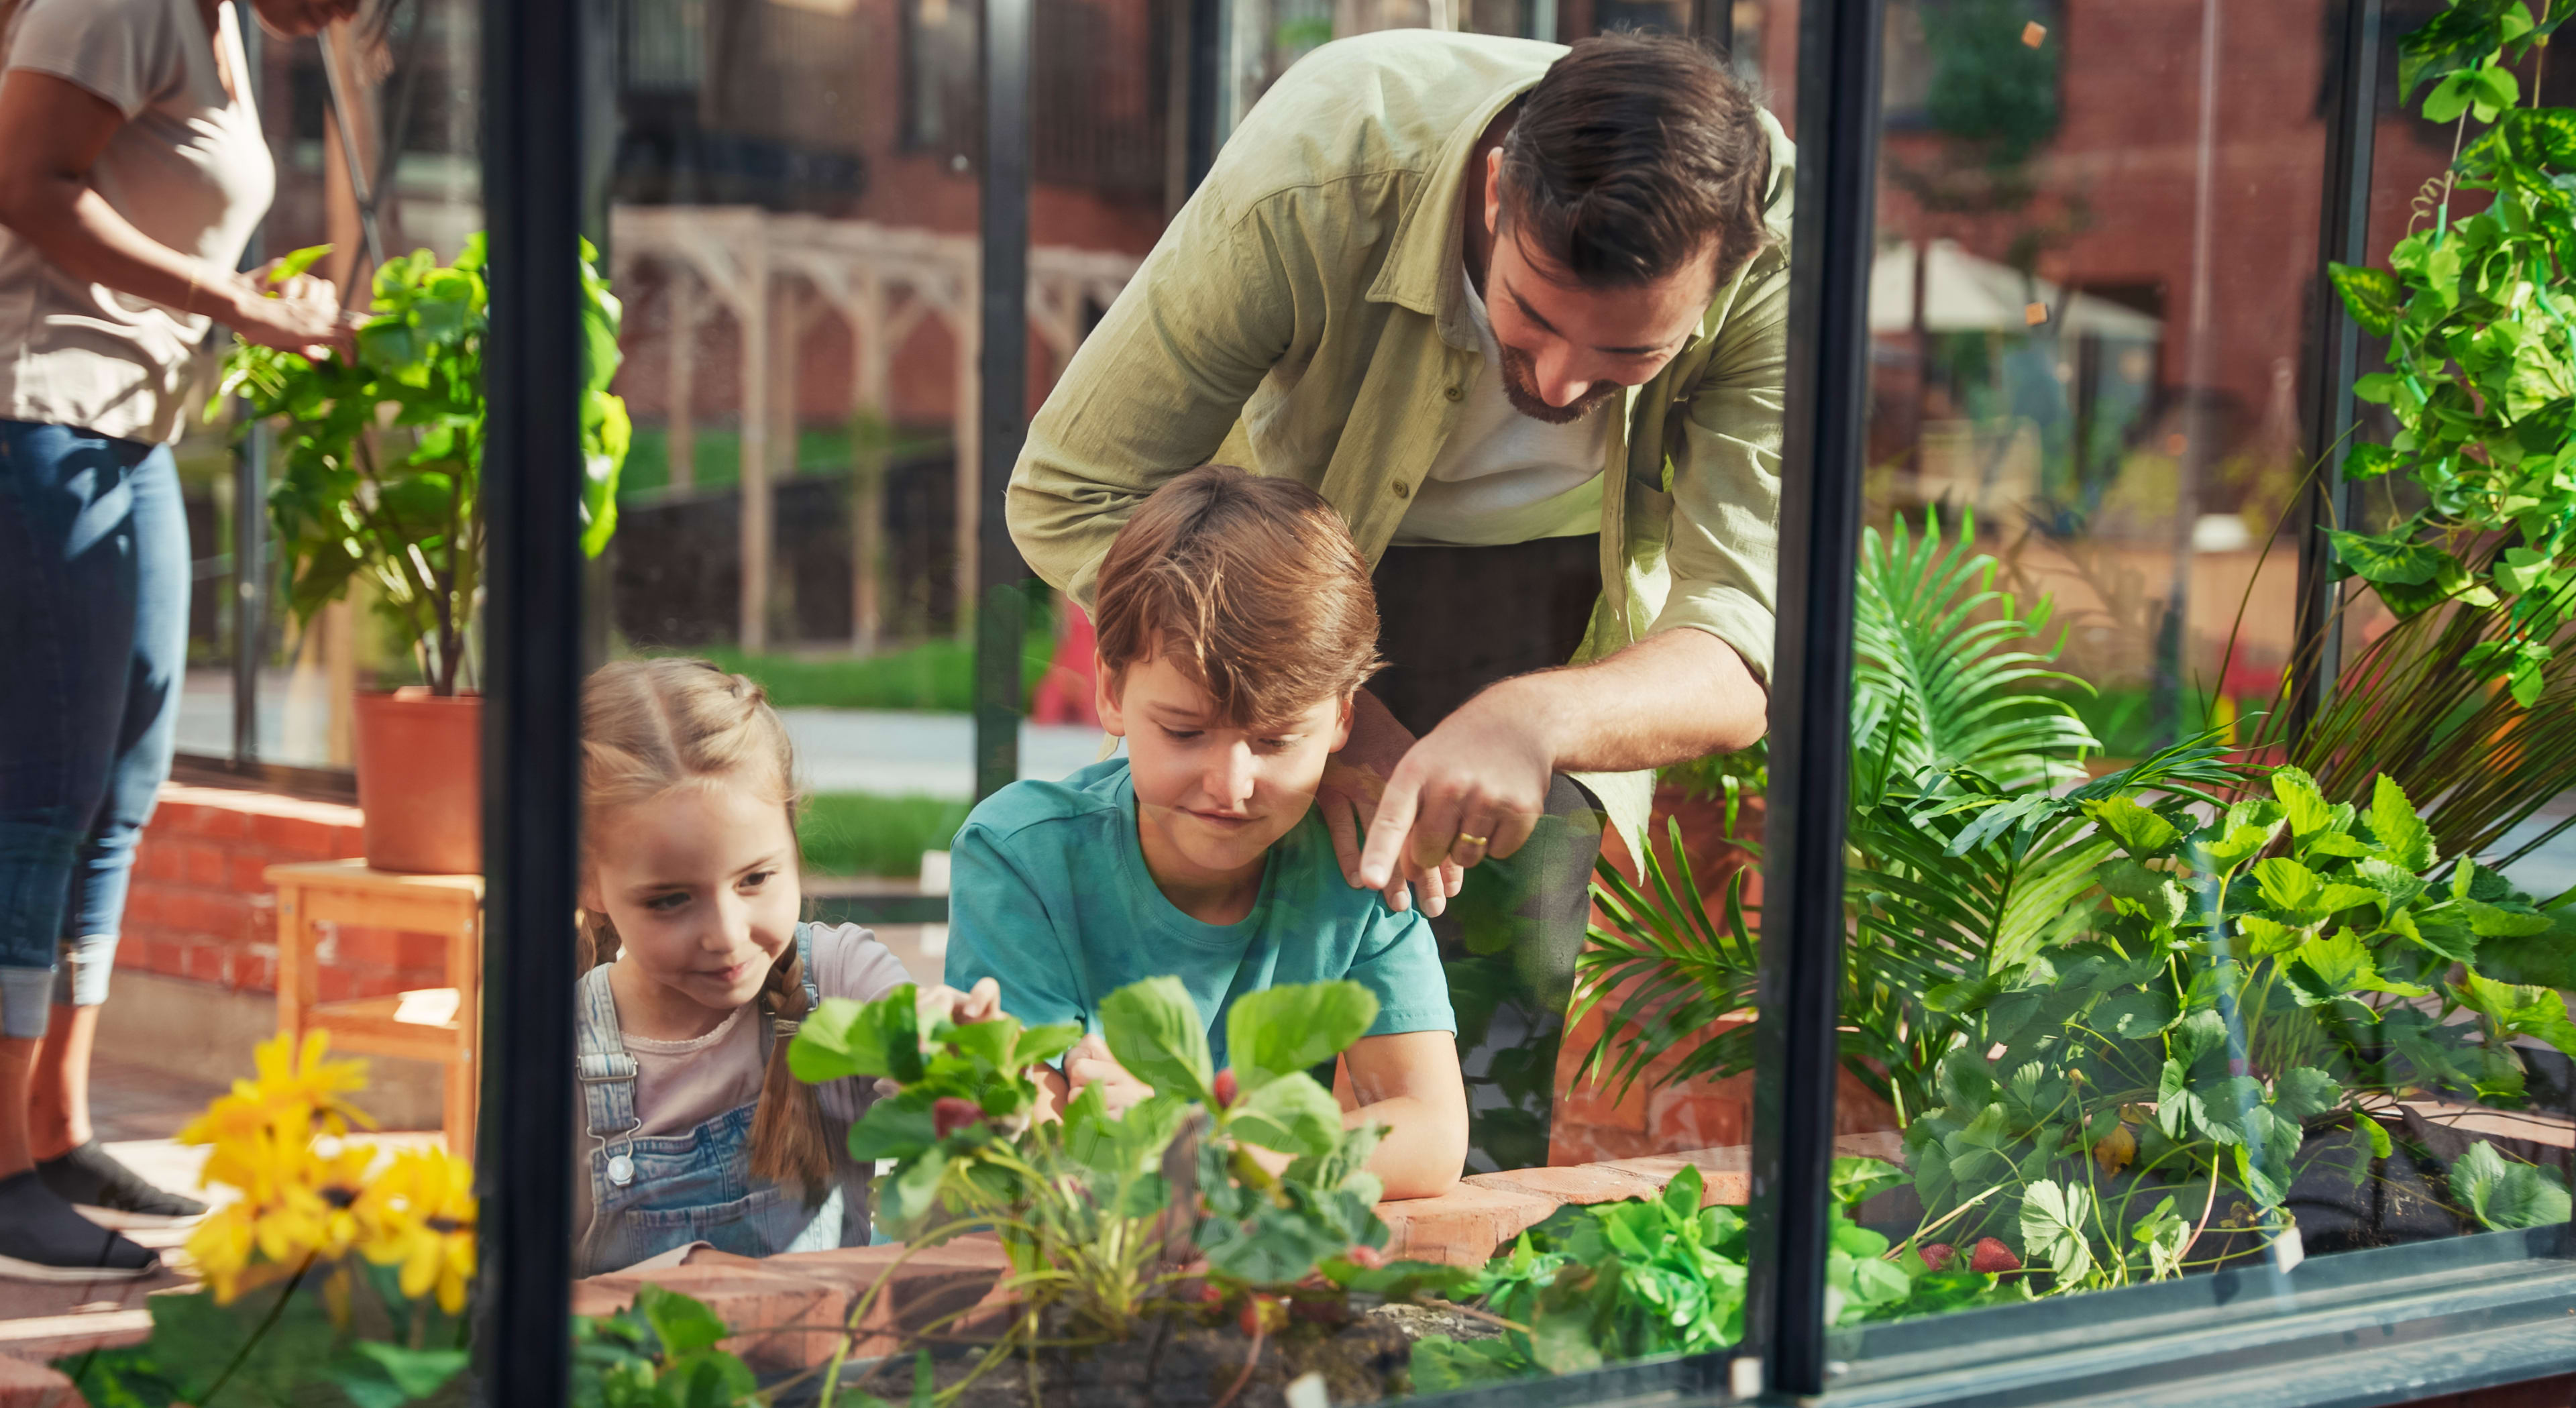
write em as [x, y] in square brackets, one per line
[1503, 477]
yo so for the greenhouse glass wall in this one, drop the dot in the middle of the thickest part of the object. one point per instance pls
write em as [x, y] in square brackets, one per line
[1877, 711]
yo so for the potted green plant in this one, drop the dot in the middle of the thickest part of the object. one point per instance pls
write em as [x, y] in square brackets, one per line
[378, 471]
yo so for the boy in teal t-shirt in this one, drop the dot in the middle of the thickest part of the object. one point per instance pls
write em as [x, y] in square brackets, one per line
[1236, 624]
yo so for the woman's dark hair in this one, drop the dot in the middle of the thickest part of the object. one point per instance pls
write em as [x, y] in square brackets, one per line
[1632, 155]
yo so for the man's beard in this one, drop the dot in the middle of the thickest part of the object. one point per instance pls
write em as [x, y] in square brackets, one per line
[1520, 384]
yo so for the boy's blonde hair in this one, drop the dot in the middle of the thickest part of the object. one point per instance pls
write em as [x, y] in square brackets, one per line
[1251, 586]
[648, 726]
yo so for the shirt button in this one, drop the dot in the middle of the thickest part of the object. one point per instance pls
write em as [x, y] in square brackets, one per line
[1402, 490]
[1453, 393]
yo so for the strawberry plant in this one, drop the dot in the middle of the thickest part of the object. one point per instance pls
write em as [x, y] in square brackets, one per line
[2239, 984]
[1167, 1209]
[1598, 1284]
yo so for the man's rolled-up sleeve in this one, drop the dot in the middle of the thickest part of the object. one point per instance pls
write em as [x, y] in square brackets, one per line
[1725, 546]
[1154, 389]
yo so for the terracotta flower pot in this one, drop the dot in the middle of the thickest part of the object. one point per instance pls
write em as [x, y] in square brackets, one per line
[420, 780]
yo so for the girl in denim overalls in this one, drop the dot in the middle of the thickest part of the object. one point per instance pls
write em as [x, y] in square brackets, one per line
[691, 1128]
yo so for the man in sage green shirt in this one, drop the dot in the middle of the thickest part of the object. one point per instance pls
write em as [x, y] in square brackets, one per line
[1516, 311]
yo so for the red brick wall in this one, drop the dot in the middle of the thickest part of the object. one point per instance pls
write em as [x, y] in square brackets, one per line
[201, 909]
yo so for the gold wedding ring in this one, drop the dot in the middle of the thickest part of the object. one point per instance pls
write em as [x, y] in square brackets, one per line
[1477, 841]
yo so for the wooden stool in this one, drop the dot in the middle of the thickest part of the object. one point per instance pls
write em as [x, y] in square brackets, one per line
[431, 1024]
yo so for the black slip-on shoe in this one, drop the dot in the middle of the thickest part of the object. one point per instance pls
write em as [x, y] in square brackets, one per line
[43, 1239]
[112, 1195]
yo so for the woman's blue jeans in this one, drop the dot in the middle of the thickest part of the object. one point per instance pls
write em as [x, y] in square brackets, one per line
[93, 648]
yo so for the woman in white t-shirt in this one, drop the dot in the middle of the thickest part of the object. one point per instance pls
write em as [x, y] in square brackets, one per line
[132, 172]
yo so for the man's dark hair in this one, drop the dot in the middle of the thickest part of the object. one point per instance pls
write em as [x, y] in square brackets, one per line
[1631, 154]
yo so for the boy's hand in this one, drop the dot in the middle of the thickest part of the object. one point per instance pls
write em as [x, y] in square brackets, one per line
[1089, 1063]
[979, 1003]
[1354, 780]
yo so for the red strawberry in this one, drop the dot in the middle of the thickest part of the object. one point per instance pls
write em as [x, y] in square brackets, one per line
[1249, 1318]
[1226, 1089]
[1369, 1257]
[1992, 1258]
[1938, 1255]
[950, 1113]
[1209, 1294]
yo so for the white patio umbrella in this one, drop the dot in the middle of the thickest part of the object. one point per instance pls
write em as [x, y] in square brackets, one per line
[1963, 292]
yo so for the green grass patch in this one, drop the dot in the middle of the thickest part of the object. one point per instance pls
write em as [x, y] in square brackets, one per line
[862, 833]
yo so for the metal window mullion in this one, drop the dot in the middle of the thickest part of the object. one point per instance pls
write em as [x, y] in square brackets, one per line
[250, 501]
[1802, 932]
[1002, 366]
[537, 109]
[2333, 353]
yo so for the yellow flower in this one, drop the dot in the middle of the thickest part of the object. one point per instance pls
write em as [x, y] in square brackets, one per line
[297, 1203]
[297, 1089]
[420, 1214]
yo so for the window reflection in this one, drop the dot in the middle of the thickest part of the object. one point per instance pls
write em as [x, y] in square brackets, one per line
[2154, 987]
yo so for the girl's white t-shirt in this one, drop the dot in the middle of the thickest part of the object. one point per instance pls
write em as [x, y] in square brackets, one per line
[680, 1085]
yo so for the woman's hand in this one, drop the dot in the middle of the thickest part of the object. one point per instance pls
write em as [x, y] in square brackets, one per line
[1089, 1063]
[299, 313]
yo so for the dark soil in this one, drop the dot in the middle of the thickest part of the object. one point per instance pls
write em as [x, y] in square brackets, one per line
[1184, 1364]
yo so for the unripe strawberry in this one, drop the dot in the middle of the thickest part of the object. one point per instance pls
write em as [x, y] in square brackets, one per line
[1226, 1089]
[1938, 1255]
[951, 1113]
[1249, 1318]
[1992, 1258]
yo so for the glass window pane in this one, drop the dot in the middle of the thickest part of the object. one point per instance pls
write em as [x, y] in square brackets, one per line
[2150, 985]
[793, 237]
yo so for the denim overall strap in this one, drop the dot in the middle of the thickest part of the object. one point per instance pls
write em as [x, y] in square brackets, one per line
[607, 1076]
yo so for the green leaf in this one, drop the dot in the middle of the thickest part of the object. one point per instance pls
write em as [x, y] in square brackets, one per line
[2497, 921]
[1153, 1028]
[2506, 1196]
[2387, 561]
[379, 1375]
[2142, 833]
[2301, 802]
[2366, 460]
[299, 262]
[1852, 1180]
[1290, 1113]
[2545, 960]
[2152, 891]
[2136, 1016]
[2520, 1011]
[1293, 1028]
[2330, 969]
[2288, 885]
[896, 1127]
[1441, 1364]
[683, 1324]
[2465, 34]
[2053, 1218]
[2373, 297]
[844, 1038]
[2401, 834]
[2452, 96]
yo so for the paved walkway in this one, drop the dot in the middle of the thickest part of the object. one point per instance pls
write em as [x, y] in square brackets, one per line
[891, 753]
